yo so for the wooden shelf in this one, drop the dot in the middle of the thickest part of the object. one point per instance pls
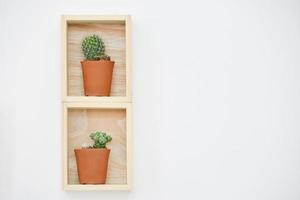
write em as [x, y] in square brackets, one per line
[97, 187]
[95, 99]
[80, 119]
[82, 115]
[115, 32]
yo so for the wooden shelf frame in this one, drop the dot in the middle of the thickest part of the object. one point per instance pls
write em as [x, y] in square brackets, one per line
[96, 187]
[95, 103]
[96, 106]
[94, 19]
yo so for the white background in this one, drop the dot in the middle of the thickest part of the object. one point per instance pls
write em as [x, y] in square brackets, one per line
[215, 94]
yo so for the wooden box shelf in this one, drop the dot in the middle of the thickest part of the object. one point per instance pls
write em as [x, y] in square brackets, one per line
[82, 115]
[80, 119]
[115, 32]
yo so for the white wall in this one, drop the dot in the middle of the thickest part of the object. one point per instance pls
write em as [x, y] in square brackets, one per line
[216, 99]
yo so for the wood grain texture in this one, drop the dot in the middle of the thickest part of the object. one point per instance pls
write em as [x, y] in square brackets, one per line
[81, 122]
[114, 37]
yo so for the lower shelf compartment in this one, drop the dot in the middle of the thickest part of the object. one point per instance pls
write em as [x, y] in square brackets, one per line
[80, 120]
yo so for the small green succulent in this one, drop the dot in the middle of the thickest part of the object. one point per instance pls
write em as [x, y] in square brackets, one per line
[104, 57]
[93, 48]
[100, 139]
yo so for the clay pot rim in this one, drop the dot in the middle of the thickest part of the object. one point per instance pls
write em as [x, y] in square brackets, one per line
[97, 61]
[93, 149]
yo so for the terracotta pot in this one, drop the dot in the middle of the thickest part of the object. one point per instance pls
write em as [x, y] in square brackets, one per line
[92, 165]
[97, 76]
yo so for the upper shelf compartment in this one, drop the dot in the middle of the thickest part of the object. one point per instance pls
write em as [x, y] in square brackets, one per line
[115, 33]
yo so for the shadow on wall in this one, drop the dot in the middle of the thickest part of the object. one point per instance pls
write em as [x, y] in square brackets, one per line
[99, 195]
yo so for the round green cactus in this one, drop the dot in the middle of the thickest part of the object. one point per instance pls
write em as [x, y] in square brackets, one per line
[93, 47]
[100, 138]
